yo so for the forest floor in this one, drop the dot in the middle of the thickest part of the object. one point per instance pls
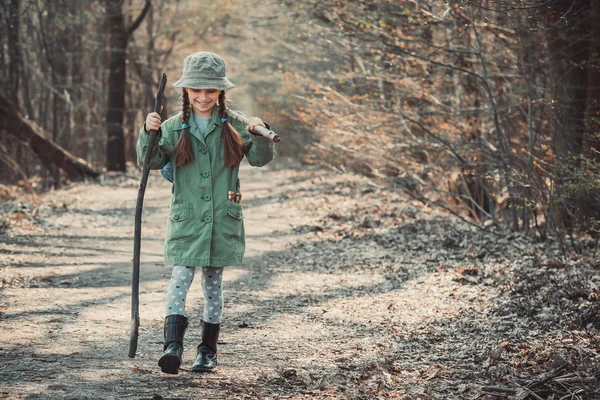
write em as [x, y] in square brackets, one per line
[347, 291]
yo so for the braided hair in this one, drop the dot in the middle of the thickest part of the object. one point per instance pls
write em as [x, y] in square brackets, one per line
[233, 142]
[183, 152]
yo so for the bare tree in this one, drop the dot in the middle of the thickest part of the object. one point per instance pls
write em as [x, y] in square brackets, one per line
[119, 36]
[485, 108]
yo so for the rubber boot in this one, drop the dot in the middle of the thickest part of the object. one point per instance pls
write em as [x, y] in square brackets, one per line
[206, 361]
[175, 326]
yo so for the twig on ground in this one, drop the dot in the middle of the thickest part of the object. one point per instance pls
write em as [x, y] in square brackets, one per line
[576, 379]
[495, 389]
[548, 378]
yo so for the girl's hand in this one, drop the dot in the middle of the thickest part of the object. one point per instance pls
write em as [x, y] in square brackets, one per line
[152, 122]
[253, 122]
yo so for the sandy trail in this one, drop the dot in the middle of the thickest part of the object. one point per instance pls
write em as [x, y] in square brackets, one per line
[332, 300]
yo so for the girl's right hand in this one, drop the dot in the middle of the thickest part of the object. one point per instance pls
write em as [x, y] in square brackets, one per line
[152, 122]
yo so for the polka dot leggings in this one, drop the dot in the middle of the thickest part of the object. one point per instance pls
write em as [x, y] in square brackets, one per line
[181, 280]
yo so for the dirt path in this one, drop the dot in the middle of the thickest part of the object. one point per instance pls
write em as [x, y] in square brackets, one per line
[346, 291]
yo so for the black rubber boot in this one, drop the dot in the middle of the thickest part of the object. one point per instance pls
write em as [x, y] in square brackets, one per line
[175, 326]
[206, 361]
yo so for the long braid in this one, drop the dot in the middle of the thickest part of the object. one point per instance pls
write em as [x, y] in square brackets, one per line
[183, 152]
[222, 105]
[233, 142]
[185, 106]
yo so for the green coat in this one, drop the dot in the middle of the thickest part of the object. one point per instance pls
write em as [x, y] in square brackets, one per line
[203, 227]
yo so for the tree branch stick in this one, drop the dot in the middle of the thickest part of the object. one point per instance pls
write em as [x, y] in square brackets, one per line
[137, 240]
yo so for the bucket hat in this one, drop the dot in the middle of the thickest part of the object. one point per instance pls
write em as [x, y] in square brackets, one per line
[204, 70]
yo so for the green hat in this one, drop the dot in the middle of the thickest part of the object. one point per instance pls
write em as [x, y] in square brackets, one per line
[204, 70]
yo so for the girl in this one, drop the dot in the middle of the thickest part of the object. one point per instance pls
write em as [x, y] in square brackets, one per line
[205, 228]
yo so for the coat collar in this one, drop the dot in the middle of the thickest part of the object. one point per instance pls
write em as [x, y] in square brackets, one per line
[216, 121]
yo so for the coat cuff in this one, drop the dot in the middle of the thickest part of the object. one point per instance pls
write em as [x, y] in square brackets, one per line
[259, 139]
[158, 133]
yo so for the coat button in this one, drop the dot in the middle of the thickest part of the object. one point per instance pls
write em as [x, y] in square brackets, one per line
[205, 174]
[176, 217]
[207, 220]
[239, 215]
[207, 197]
[203, 150]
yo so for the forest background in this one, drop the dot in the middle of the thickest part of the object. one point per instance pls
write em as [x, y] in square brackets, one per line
[430, 225]
[487, 109]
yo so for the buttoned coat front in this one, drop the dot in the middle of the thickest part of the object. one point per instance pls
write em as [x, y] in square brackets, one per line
[204, 228]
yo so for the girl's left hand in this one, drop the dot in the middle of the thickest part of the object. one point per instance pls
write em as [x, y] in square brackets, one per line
[253, 122]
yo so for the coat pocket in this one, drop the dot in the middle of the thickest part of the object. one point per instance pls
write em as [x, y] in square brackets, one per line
[231, 223]
[180, 224]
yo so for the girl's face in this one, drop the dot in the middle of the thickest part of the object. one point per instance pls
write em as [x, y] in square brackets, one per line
[203, 100]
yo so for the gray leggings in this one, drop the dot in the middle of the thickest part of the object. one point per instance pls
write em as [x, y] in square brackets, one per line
[181, 280]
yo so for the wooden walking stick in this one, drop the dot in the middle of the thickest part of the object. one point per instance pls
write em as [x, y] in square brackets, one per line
[259, 129]
[137, 238]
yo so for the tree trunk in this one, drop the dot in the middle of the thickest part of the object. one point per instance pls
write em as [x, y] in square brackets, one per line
[117, 43]
[570, 51]
[49, 152]
[14, 53]
[570, 48]
[78, 115]
[14, 74]
[119, 35]
[592, 118]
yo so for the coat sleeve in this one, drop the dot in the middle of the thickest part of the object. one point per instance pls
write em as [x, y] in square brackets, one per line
[259, 150]
[159, 155]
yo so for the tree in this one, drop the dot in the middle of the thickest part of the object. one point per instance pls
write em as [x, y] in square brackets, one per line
[49, 152]
[119, 36]
[487, 108]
